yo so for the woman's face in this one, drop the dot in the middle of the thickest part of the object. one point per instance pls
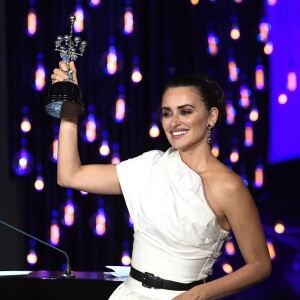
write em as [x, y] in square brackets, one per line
[185, 118]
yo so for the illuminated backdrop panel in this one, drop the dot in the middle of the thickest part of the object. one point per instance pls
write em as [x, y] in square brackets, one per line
[284, 142]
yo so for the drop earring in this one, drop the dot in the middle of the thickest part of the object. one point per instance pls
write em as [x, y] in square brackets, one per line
[209, 133]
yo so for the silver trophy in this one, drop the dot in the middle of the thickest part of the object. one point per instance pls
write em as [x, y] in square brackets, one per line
[64, 98]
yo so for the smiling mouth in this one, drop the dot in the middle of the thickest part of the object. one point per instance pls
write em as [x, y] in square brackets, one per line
[178, 133]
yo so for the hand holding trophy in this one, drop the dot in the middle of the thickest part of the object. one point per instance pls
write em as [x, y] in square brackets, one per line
[64, 97]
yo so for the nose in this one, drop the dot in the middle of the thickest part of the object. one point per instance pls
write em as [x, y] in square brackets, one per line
[175, 121]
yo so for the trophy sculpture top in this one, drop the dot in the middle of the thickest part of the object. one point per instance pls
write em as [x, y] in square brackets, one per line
[71, 48]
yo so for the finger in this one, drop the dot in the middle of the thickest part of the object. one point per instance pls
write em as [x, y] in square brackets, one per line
[74, 71]
[72, 66]
[63, 66]
[55, 78]
[59, 75]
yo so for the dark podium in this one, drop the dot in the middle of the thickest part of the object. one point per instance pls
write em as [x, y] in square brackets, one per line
[47, 285]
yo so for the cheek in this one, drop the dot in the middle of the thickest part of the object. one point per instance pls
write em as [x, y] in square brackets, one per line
[199, 124]
[164, 124]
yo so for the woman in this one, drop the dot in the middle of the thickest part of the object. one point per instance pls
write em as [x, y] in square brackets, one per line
[184, 202]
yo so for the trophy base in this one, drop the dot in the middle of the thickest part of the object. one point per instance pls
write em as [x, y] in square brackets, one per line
[64, 100]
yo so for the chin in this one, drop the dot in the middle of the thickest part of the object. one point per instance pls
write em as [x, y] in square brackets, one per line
[178, 147]
[180, 144]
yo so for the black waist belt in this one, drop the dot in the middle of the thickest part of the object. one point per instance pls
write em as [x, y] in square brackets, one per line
[150, 281]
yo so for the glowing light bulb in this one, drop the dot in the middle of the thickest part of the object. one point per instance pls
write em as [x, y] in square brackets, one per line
[268, 49]
[233, 70]
[279, 228]
[213, 42]
[245, 96]
[79, 21]
[136, 75]
[31, 22]
[292, 81]
[25, 125]
[230, 112]
[271, 249]
[39, 183]
[100, 222]
[227, 268]
[128, 22]
[120, 109]
[259, 176]
[235, 33]
[234, 155]
[264, 29]
[248, 142]
[104, 148]
[90, 129]
[126, 260]
[215, 150]
[154, 131]
[253, 115]
[229, 248]
[22, 162]
[32, 257]
[54, 233]
[115, 158]
[69, 213]
[111, 61]
[282, 98]
[259, 77]
[40, 75]
[95, 3]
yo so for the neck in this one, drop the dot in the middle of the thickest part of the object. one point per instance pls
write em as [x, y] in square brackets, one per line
[197, 160]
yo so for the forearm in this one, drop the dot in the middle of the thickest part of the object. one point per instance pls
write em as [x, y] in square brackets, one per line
[245, 277]
[68, 160]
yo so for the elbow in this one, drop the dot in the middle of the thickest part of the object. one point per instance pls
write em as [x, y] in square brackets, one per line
[60, 182]
[66, 177]
[266, 269]
[63, 181]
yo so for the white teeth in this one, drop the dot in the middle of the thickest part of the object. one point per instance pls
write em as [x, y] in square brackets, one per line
[179, 132]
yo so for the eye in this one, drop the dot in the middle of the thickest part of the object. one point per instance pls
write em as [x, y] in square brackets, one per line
[185, 112]
[166, 114]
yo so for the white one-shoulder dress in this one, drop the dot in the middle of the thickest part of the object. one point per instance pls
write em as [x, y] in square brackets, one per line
[176, 236]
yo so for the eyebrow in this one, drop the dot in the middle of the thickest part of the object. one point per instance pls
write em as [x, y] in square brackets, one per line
[179, 107]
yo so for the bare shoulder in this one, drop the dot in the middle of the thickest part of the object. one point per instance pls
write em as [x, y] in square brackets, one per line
[229, 181]
[226, 193]
[226, 179]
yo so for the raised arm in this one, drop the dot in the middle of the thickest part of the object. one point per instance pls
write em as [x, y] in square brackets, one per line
[94, 178]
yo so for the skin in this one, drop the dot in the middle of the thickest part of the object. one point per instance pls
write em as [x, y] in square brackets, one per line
[184, 120]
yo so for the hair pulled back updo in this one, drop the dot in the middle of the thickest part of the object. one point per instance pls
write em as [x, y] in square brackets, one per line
[207, 88]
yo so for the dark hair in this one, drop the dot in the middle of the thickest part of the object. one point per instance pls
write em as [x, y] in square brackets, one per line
[208, 89]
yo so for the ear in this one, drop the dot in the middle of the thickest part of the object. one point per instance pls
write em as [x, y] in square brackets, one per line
[213, 116]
